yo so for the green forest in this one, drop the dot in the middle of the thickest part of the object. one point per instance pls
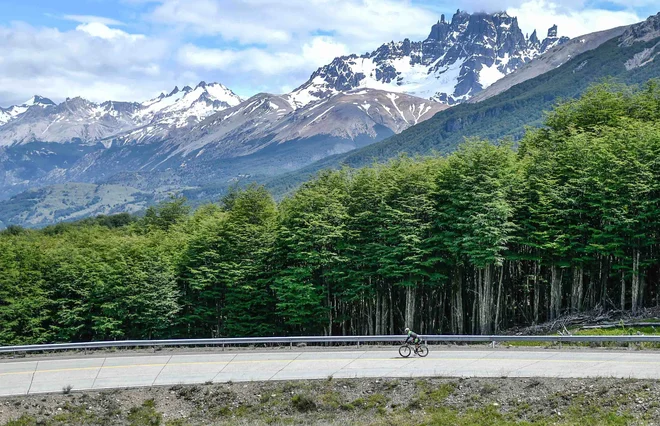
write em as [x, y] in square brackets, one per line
[483, 239]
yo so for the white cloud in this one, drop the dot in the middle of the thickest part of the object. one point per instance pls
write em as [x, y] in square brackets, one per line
[86, 19]
[542, 14]
[261, 45]
[97, 29]
[93, 61]
[313, 54]
[359, 24]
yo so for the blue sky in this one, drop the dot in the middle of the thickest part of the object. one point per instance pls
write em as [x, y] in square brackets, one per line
[134, 49]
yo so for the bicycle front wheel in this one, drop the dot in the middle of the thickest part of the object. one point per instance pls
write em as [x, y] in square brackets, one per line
[405, 351]
[423, 351]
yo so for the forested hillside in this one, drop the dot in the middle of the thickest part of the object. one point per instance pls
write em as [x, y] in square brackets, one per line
[483, 239]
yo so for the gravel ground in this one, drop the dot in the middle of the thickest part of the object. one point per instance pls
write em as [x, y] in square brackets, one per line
[477, 401]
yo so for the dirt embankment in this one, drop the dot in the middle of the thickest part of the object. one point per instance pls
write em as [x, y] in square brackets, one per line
[441, 401]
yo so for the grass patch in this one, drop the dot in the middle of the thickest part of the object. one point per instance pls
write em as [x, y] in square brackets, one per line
[331, 400]
[429, 395]
[615, 331]
[487, 389]
[303, 403]
[24, 420]
[145, 415]
[618, 331]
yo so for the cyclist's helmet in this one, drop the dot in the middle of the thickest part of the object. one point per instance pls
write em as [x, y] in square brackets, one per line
[407, 329]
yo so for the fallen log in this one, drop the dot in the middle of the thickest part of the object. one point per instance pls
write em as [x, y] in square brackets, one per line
[616, 325]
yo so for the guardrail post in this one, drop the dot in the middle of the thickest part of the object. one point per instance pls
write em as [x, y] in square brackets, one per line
[492, 344]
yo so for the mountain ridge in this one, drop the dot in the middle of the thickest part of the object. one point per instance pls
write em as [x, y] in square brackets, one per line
[77, 118]
[457, 60]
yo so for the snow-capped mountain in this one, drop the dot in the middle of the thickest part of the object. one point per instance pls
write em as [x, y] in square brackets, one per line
[266, 119]
[263, 135]
[8, 114]
[456, 61]
[188, 105]
[75, 119]
[551, 59]
[80, 120]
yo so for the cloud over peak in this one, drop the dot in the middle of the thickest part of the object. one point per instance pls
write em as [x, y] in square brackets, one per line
[248, 45]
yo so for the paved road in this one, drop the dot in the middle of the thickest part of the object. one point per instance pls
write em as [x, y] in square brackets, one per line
[51, 375]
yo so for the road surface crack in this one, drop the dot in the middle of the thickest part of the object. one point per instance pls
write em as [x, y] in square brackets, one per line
[32, 380]
[288, 364]
[161, 370]
[98, 373]
[223, 367]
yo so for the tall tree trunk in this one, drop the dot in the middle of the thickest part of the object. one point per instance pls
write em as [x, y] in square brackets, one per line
[576, 290]
[605, 276]
[537, 292]
[555, 292]
[329, 304]
[499, 298]
[457, 318]
[378, 331]
[422, 322]
[623, 290]
[591, 291]
[343, 321]
[391, 310]
[385, 311]
[635, 282]
[475, 316]
[410, 307]
[485, 300]
[370, 317]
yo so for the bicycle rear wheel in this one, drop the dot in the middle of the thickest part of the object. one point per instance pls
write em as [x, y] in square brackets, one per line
[422, 351]
[405, 351]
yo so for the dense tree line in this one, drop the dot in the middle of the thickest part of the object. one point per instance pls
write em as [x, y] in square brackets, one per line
[485, 238]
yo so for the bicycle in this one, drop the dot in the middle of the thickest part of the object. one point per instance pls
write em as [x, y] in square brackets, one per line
[406, 349]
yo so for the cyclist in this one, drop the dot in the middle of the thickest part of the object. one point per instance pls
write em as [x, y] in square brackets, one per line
[413, 337]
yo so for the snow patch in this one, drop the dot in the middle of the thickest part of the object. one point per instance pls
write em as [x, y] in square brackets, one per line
[489, 75]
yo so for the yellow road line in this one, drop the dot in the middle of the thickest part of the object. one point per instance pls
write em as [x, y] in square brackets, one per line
[437, 360]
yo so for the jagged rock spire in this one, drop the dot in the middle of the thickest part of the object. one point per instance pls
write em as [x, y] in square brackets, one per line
[534, 39]
[458, 59]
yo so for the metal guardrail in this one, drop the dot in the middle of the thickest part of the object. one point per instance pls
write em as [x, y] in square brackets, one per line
[321, 339]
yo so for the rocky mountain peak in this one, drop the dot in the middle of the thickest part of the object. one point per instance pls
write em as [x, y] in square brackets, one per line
[80, 119]
[644, 31]
[534, 39]
[552, 31]
[74, 103]
[439, 31]
[458, 59]
[39, 101]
